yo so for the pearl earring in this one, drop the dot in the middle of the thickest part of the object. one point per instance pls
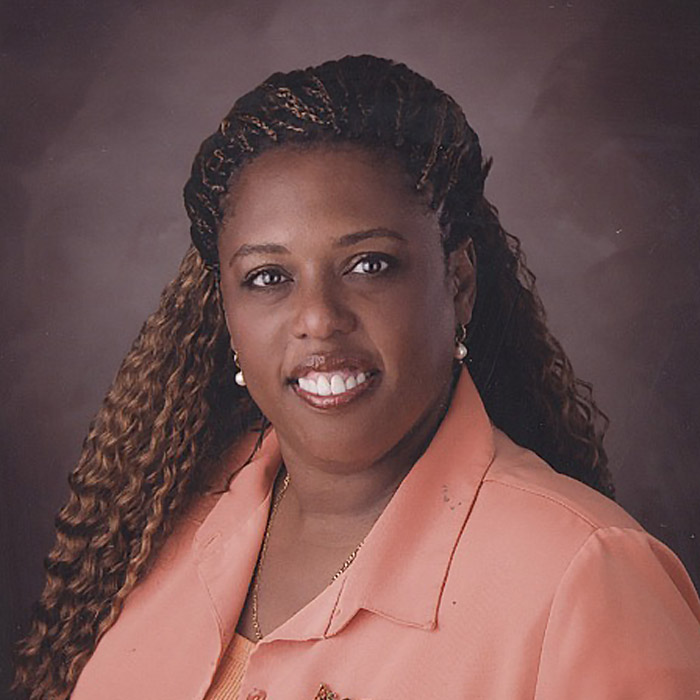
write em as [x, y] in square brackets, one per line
[460, 348]
[239, 378]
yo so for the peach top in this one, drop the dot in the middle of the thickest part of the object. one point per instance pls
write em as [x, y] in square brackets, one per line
[487, 576]
[227, 680]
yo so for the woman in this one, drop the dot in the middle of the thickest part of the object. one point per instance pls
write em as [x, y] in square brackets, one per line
[319, 471]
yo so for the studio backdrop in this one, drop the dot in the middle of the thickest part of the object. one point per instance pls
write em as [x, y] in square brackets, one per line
[590, 110]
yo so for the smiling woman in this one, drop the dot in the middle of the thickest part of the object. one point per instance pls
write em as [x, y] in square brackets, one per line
[324, 470]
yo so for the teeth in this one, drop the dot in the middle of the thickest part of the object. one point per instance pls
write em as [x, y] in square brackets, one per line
[308, 385]
[324, 386]
[337, 384]
[333, 384]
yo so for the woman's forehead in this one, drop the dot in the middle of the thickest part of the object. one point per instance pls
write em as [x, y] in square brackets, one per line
[335, 191]
[335, 174]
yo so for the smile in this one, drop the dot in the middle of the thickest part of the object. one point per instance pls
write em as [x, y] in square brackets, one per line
[327, 384]
[336, 388]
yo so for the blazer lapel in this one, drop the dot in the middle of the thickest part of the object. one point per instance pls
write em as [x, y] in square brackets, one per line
[229, 541]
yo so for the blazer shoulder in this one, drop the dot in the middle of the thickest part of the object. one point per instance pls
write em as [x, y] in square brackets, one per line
[548, 493]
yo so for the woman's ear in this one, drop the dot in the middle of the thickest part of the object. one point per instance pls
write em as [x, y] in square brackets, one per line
[462, 271]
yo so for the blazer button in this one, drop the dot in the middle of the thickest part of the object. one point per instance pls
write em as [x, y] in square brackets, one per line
[257, 694]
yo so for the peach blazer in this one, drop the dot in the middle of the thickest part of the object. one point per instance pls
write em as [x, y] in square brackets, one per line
[488, 576]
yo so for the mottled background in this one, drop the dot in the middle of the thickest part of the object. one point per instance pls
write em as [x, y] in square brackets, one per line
[591, 111]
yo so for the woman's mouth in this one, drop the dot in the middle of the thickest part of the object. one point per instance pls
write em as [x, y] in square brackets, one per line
[334, 388]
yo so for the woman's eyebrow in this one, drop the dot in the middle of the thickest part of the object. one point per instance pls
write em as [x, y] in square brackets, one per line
[358, 236]
[343, 242]
[252, 249]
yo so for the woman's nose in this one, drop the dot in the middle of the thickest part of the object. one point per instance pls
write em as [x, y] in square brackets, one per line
[322, 311]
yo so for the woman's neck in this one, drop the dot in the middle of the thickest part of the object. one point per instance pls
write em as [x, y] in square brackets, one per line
[324, 497]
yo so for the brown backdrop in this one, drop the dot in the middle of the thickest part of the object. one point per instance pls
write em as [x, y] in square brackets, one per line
[591, 111]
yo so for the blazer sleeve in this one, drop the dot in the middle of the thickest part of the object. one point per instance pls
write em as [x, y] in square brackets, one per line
[624, 623]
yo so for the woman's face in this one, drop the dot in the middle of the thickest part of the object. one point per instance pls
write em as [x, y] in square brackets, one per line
[338, 299]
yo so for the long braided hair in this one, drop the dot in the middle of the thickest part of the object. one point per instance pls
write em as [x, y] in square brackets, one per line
[173, 409]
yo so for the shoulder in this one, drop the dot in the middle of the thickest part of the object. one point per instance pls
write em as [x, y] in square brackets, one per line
[602, 607]
[546, 530]
[529, 482]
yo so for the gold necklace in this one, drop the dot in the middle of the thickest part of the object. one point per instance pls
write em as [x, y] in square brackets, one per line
[263, 551]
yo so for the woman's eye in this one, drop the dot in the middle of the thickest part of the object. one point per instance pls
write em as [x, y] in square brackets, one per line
[265, 278]
[370, 266]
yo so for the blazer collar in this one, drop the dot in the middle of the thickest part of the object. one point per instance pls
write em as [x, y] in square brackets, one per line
[400, 571]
